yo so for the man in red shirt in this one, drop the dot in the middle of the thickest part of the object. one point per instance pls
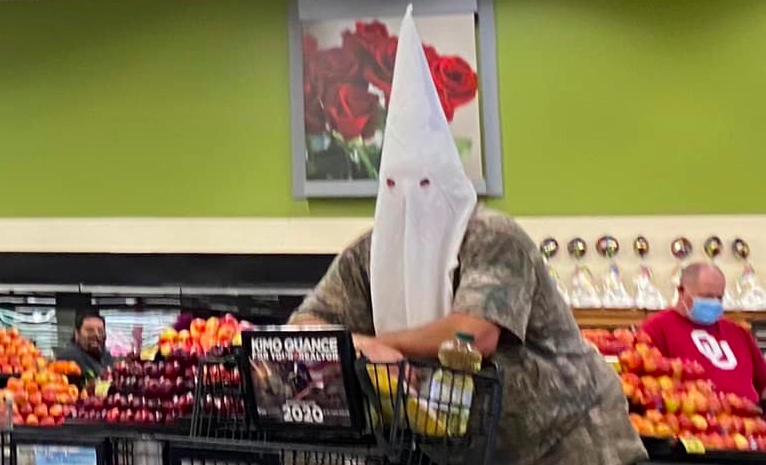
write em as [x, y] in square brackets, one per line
[695, 330]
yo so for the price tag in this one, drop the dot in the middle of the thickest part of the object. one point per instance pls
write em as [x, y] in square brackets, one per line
[693, 445]
[64, 455]
[102, 388]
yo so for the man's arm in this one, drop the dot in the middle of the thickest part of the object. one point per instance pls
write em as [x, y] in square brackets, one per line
[425, 340]
[342, 296]
[307, 319]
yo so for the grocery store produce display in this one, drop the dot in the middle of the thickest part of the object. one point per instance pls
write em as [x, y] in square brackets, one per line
[147, 392]
[161, 390]
[203, 336]
[671, 398]
[41, 392]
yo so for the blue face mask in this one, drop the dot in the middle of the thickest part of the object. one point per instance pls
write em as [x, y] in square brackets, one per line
[706, 311]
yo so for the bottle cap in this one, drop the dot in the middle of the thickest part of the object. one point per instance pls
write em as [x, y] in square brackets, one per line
[465, 337]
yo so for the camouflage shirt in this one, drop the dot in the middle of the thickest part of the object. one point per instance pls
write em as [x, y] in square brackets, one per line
[553, 380]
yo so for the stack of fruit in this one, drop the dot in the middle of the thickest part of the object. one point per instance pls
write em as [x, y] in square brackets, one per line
[613, 342]
[222, 391]
[18, 355]
[203, 336]
[672, 398]
[40, 390]
[41, 397]
[142, 392]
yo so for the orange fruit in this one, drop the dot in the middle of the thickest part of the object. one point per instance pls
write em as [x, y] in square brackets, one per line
[28, 361]
[14, 384]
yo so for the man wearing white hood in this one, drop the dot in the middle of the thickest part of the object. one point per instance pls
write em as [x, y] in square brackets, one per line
[436, 264]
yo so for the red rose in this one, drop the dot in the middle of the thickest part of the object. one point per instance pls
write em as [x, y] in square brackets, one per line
[447, 105]
[334, 65]
[366, 38]
[380, 71]
[431, 55]
[314, 116]
[351, 110]
[310, 45]
[310, 48]
[457, 79]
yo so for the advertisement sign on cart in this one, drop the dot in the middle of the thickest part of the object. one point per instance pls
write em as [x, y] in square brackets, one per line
[302, 376]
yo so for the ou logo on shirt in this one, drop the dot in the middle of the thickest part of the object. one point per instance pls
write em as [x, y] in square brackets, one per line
[719, 353]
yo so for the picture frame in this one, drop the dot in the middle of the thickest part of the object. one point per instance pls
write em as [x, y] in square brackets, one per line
[335, 154]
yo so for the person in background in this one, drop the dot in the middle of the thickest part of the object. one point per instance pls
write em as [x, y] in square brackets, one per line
[696, 330]
[435, 264]
[88, 348]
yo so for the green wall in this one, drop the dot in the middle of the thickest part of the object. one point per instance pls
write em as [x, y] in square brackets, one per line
[180, 108]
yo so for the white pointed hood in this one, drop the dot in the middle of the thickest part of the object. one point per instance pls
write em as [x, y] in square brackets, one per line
[425, 199]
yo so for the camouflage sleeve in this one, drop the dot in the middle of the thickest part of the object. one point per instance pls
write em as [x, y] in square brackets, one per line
[497, 278]
[343, 295]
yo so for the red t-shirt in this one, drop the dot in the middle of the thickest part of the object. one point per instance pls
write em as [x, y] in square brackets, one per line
[727, 351]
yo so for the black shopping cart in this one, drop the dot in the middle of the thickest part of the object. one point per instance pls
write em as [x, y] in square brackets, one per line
[412, 412]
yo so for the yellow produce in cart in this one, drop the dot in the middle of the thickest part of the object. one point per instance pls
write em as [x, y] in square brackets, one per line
[422, 418]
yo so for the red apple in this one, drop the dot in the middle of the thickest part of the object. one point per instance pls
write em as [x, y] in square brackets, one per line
[716, 442]
[126, 416]
[26, 409]
[725, 422]
[749, 425]
[121, 368]
[49, 397]
[676, 368]
[172, 370]
[151, 370]
[672, 421]
[643, 337]
[153, 403]
[47, 421]
[760, 426]
[737, 425]
[621, 334]
[712, 423]
[685, 423]
[166, 388]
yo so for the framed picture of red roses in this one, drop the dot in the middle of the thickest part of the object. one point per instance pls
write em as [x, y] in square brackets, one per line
[342, 61]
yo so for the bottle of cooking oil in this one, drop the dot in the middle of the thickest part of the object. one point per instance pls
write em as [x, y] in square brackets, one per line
[452, 388]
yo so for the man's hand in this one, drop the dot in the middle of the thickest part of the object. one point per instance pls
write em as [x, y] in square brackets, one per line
[376, 351]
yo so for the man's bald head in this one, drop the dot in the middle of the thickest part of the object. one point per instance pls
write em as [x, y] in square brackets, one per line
[700, 280]
[695, 272]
